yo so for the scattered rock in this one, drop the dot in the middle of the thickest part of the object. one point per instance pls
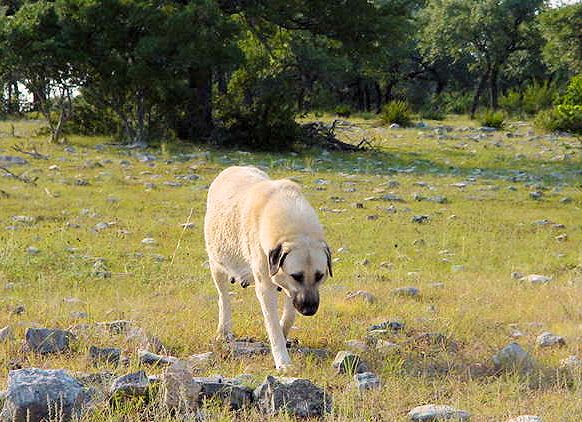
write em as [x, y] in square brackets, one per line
[536, 279]
[366, 296]
[512, 357]
[394, 126]
[308, 351]
[6, 334]
[18, 310]
[348, 363]
[392, 325]
[420, 219]
[7, 160]
[78, 314]
[547, 339]
[526, 418]
[201, 358]
[242, 348]
[296, 396]
[36, 394]
[367, 381]
[437, 412]
[181, 394]
[572, 362]
[149, 358]
[406, 291]
[104, 355]
[24, 219]
[120, 326]
[32, 250]
[149, 241]
[226, 390]
[131, 385]
[47, 340]
[536, 195]
[356, 345]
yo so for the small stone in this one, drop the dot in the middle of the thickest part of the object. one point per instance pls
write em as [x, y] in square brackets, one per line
[36, 394]
[437, 412]
[101, 226]
[385, 346]
[104, 355]
[358, 345]
[148, 241]
[547, 339]
[7, 160]
[348, 363]
[406, 291]
[572, 362]
[536, 279]
[25, 219]
[366, 296]
[420, 219]
[18, 310]
[78, 314]
[248, 348]
[565, 200]
[536, 195]
[181, 394]
[6, 334]
[562, 237]
[512, 357]
[131, 385]
[526, 418]
[201, 358]
[32, 250]
[367, 381]
[295, 396]
[46, 340]
[149, 358]
[394, 126]
[392, 325]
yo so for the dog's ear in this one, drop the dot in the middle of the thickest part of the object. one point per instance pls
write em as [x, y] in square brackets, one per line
[276, 259]
[328, 255]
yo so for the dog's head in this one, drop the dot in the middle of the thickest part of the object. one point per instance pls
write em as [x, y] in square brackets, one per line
[299, 267]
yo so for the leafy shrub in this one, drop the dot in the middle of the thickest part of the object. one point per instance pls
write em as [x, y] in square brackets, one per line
[492, 118]
[538, 96]
[568, 114]
[87, 119]
[343, 110]
[573, 94]
[455, 102]
[396, 112]
[512, 101]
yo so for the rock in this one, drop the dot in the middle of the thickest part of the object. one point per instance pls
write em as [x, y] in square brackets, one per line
[536, 195]
[7, 160]
[405, 292]
[366, 296]
[24, 219]
[565, 200]
[104, 355]
[512, 357]
[181, 394]
[201, 358]
[487, 129]
[149, 241]
[420, 219]
[547, 339]
[6, 334]
[241, 348]
[572, 362]
[536, 279]
[367, 381]
[561, 237]
[131, 385]
[384, 346]
[394, 126]
[78, 314]
[526, 418]
[32, 250]
[149, 358]
[101, 226]
[47, 340]
[437, 412]
[348, 363]
[356, 345]
[18, 310]
[35, 395]
[225, 390]
[296, 396]
[392, 325]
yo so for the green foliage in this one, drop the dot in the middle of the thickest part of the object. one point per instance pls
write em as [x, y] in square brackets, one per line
[561, 30]
[573, 94]
[87, 119]
[432, 109]
[455, 102]
[567, 115]
[396, 112]
[491, 118]
[343, 110]
[538, 96]
[511, 101]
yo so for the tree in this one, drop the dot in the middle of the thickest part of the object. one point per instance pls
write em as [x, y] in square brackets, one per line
[488, 31]
[562, 30]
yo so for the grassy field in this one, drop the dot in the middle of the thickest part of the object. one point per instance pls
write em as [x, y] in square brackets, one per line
[478, 233]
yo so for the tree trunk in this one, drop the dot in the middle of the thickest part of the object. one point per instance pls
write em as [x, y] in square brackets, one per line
[478, 92]
[199, 108]
[378, 92]
[493, 88]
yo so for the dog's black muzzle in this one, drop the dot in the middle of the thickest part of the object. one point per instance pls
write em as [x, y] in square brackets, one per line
[306, 303]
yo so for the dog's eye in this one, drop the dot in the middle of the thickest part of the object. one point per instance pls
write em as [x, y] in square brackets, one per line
[318, 277]
[298, 277]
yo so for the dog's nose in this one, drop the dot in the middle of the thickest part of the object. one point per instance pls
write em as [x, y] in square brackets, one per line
[309, 309]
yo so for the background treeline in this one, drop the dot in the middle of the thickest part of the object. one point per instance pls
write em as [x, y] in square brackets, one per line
[240, 71]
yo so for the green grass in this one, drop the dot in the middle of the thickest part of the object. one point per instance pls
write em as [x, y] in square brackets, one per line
[486, 227]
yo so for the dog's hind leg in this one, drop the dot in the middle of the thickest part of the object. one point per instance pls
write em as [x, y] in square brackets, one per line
[288, 317]
[220, 278]
[267, 295]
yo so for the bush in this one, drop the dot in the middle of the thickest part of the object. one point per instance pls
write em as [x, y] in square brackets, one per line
[455, 102]
[87, 119]
[396, 112]
[573, 94]
[492, 118]
[538, 96]
[567, 115]
[512, 101]
[343, 110]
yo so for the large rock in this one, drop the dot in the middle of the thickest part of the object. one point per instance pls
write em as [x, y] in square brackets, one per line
[298, 397]
[547, 339]
[367, 381]
[149, 358]
[226, 390]
[48, 340]
[131, 385]
[6, 334]
[512, 357]
[104, 355]
[180, 393]
[348, 363]
[37, 395]
[438, 412]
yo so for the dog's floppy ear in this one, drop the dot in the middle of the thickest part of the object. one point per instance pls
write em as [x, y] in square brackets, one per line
[328, 255]
[276, 259]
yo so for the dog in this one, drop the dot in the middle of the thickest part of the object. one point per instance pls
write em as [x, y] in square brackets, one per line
[264, 232]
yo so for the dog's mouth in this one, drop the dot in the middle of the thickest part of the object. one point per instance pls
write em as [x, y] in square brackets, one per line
[306, 307]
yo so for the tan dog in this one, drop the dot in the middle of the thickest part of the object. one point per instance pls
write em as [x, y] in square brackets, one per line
[264, 231]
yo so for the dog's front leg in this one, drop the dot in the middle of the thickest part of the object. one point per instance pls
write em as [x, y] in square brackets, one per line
[267, 295]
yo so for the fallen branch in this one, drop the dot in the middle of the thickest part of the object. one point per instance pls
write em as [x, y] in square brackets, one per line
[323, 135]
[34, 153]
[22, 177]
[4, 194]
